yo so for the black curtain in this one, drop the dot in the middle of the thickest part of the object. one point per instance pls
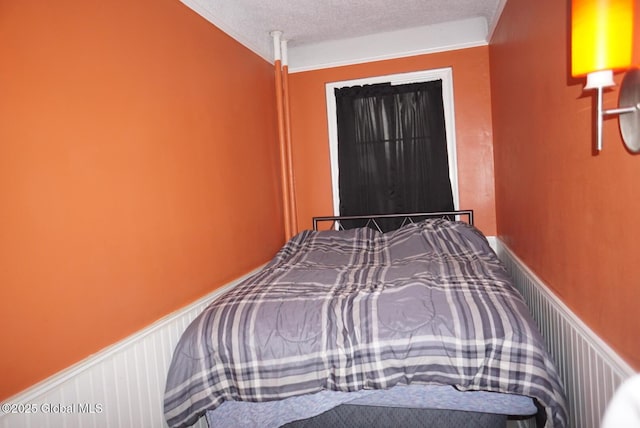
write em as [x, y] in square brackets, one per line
[392, 150]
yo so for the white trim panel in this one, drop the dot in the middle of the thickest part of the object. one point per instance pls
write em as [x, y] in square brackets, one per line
[121, 386]
[589, 369]
[395, 44]
[444, 74]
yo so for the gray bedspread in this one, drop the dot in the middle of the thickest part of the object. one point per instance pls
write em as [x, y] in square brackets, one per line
[358, 309]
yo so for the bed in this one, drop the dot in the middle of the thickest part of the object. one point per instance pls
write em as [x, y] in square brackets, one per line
[349, 326]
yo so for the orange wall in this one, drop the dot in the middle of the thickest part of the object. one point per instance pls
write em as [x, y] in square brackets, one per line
[571, 215]
[129, 180]
[473, 130]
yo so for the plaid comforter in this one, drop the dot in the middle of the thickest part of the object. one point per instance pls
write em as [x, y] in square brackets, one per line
[359, 309]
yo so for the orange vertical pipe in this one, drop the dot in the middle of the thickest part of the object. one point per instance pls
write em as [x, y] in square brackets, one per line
[283, 153]
[293, 212]
[282, 137]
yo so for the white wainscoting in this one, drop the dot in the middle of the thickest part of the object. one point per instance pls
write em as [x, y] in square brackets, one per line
[590, 370]
[121, 386]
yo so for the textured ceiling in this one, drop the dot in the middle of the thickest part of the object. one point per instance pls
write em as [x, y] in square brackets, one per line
[308, 22]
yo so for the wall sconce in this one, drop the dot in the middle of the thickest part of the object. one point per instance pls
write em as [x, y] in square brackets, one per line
[601, 43]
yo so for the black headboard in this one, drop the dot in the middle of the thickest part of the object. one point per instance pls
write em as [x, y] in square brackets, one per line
[374, 220]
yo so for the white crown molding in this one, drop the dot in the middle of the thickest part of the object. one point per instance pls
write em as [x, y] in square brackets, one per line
[496, 20]
[447, 36]
[395, 44]
[202, 10]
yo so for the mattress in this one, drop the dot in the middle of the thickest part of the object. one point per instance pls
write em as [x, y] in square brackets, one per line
[238, 414]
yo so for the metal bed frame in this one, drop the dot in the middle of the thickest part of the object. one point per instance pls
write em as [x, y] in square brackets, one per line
[406, 218]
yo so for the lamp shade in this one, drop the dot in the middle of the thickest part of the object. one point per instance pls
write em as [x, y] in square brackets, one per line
[601, 35]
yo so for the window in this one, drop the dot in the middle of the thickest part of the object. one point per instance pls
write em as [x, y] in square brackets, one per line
[387, 141]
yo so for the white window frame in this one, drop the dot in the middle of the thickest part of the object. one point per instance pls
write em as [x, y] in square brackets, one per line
[444, 74]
